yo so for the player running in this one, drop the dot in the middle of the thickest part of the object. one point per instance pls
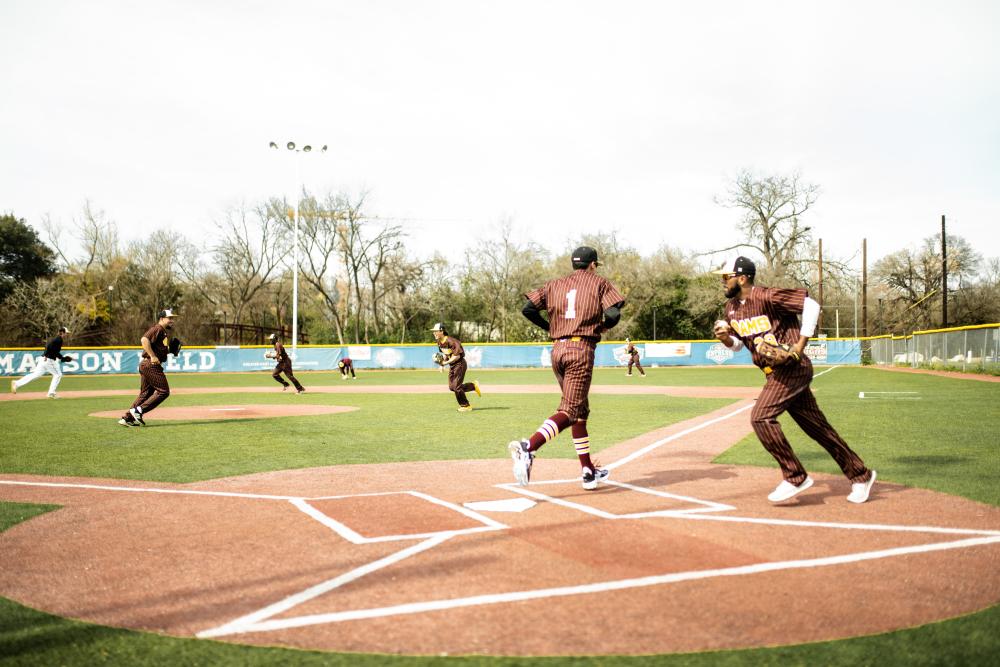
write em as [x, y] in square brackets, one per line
[580, 306]
[765, 319]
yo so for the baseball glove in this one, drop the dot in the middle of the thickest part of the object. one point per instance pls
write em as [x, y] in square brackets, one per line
[776, 354]
[175, 346]
[269, 355]
[438, 358]
[67, 358]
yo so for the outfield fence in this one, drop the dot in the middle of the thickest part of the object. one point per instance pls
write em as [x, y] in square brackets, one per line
[105, 361]
[975, 348]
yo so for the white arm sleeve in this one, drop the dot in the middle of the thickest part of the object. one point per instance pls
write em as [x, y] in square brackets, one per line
[810, 316]
[737, 344]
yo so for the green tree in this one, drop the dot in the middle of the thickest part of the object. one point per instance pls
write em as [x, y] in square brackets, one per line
[23, 256]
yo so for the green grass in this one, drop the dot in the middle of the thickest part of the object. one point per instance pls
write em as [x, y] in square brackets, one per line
[678, 375]
[386, 428]
[945, 441]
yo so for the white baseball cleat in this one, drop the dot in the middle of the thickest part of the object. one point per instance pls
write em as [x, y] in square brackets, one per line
[785, 490]
[522, 460]
[860, 491]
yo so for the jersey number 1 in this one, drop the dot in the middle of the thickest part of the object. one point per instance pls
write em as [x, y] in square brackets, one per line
[571, 308]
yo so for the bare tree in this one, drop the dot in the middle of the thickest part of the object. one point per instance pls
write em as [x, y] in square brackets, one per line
[772, 207]
[39, 308]
[249, 255]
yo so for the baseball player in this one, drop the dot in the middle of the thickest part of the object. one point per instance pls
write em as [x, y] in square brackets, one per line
[452, 354]
[153, 388]
[284, 365]
[581, 306]
[633, 358]
[51, 362]
[766, 321]
[345, 365]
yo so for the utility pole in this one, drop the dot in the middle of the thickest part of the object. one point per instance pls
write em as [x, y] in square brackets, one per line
[819, 322]
[864, 288]
[944, 276]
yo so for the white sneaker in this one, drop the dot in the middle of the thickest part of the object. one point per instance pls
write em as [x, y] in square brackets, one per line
[785, 490]
[522, 460]
[859, 492]
[52, 396]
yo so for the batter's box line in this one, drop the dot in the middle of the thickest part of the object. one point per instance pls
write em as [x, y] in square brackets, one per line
[356, 538]
[258, 622]
[709, 506]
[699, 514]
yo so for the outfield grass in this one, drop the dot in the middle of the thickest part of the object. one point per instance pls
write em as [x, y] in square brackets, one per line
[944, 441]
[668, 376]
[386, 428]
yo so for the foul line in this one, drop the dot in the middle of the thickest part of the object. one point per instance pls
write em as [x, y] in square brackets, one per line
[603, 587]
[659, 443]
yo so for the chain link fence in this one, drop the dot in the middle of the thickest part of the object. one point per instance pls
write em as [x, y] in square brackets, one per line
[972, 349]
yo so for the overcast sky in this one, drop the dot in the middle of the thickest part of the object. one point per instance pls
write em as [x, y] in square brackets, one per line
[567, 117]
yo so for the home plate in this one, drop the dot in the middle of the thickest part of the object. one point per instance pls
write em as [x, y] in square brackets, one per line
[512, 505]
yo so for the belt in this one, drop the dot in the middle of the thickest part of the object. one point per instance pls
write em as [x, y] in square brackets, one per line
[572, 339]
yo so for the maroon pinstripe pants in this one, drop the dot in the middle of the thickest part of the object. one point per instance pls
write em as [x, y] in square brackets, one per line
[457, 383]
[153, 386]
[573, 364]
[286, 368]
[799, 402]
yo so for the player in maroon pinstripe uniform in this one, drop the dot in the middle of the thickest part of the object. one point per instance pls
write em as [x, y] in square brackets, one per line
[756, 315]
[153, 388]
[581, 306]
[283, 364]
[452, 355]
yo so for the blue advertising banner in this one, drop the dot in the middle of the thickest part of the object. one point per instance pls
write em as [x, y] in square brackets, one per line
[230, 359]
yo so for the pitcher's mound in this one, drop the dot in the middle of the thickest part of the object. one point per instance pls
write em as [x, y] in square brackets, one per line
[236, 411]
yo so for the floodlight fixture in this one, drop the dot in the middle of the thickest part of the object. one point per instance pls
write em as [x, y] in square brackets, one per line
[290, 146]
[273, 145]
[306, 148]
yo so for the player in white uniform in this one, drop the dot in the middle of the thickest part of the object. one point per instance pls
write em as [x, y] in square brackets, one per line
[50, 362]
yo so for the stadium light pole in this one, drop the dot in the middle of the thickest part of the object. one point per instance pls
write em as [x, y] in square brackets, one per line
[295, 255]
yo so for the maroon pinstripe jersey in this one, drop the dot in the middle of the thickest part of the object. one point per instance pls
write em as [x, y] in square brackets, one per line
[769, 312]
[576, 303]
[158, 342]
[280, 355]
[451, 347]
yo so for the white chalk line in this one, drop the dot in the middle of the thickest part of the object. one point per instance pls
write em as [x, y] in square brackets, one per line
[356, 538]
[659, 443]
[584, 589]
[238, 625]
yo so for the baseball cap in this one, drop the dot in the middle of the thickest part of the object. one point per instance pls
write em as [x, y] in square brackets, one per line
[273, 336]
[168, 312]
[438, 327]
[64, 330]
[741, 266]
[583, 256]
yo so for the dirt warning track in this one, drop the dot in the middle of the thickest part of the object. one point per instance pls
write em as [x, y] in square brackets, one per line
[675, 554]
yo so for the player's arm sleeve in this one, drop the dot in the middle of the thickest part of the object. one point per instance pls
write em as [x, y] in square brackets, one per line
[612, 315]
[810, 316]
[534, 315]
